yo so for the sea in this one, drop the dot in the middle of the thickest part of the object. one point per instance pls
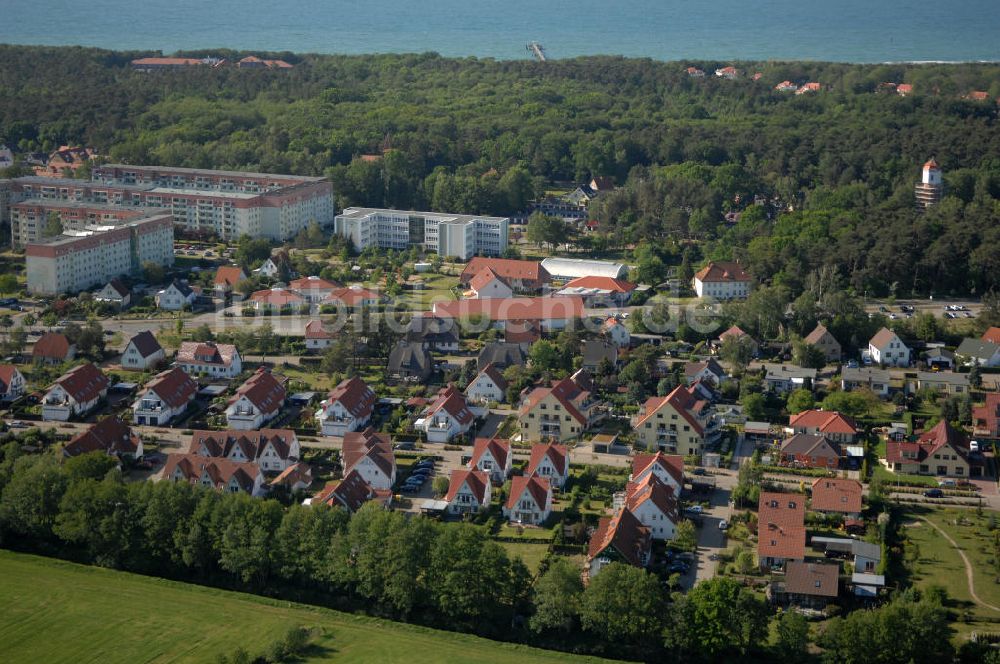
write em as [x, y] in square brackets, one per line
[829, 30]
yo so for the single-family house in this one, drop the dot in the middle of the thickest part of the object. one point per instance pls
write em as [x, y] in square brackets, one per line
[115, 292]
[781, 531]
[316, 337]
[210, 359]
[942, 451]
[616, 332]
[806, 585]
[448, 416]
[273, 450]
[175, 296]
[824, 340]
[738, 335]
[529, 501]
[837, 496]
[867, 378]
[722, 280]
[164, 398]
[654, 504]
[887, 349]
[729, 73]
[668, 468]
[468, 491]
[489, 386]
[348, 407]
[351, 493]
[598, 351]
[783, 378]
[142, 352]
[410, 362]
[53, 348]
[110, 435]
[804, 450]
[946, 382]
[12, 383]
[680, 423]
[487, 284]
[370, 454]
[521, 276]
[501, 355]
[297, 477]
[226, 278]
[707, 371]
[257, 401]
[560, 412]
[433, 333]
[549, 461]
[619, 538]
[493, 457]
[992, 334]
[811, 86]
[977, 351]
[313, 289]
[215, 473]
[827, 423]
[786, 86]
[74, 393]
[269, 268]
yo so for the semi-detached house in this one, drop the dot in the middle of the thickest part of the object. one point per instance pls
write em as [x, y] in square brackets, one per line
[257, 401]
[164, 398]
[347, 408]
[74, 393]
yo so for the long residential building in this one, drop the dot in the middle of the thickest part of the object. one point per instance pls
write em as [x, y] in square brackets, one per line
[29, 218]
[228, 204]
[78, 260]
[460, 235]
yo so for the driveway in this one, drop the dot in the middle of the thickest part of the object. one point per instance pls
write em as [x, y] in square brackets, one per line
[711, 540]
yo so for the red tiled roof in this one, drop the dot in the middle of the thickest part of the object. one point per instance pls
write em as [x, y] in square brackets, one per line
[51, 345]
[206, 352]
[816, 335]
[826, 421]
[672, 463]
[506, 268]
[315, 330]
[680, 399]
[652, 489]
[514, 308]
[538, 487]
[109, 435]
[781, 529]
[451, 401]
[355, 396]
[499, 449]
[941, 435]
[483, 278]
[992, 335]
[987, 416]
[836, 495]
[722, 271]
[312, 283]
[296, 473]
[624, 533]
[903, 452]
[602, 283]
[351, 492]
[476, 480]
[368, 443]
[229, 275]
[7, 373]
[220, 471]
[174, 387]
[735, 331]
[263, 390]
[882, 338]
[557, 454]
[83, 383]
[277, 297]
[353, 296]
[252, 443]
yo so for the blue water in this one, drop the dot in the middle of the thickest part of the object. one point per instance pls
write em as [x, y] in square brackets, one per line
[836, 30]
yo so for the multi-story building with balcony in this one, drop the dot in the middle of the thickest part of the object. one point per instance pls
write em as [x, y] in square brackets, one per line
[460, 235]
[560, 412]
[679, 423]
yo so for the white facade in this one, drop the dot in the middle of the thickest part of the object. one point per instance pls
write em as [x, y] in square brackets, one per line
[565, 269]
[372, 473]
[465, 499]
[447, 234]
[59, 406]
[722, 290]
[498, 472]
[15, 385]
[546, 470]
[660, 525]
[492, 288]
[483, 389]
[336, 420]
[442, 426]
[150, 409]
[133, 359]
[243, 415]
[891, 353]
[527, 510]
[618, 334]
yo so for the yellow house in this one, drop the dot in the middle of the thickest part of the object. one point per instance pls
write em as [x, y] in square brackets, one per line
[678, 423]
[560, 412]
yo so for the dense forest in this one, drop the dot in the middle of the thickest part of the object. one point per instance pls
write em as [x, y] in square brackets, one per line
[834, 170]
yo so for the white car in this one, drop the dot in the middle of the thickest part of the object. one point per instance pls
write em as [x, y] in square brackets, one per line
[723, 525]
[695, 509]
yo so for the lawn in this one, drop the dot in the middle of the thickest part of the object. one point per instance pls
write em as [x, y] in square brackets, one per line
[937, 562]
[52, 611]
[890, 478]
[530, 554]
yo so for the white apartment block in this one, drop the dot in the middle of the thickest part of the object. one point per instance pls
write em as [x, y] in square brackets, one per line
[79, 260]
[460, 235]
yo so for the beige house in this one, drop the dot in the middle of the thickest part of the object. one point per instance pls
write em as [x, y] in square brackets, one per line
[679, 423]
[560, 412]
[826, 342]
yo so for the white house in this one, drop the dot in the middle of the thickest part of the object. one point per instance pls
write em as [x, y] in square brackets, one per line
[268, 269]
[163, 398]
[12, 382]
[370, 454]
[616, 332]
[654, 504]
[210, 359]
[257, 401]
[347, 408]
[448, 416]
[468, 491]
[722, 280]
[274, 450]
[549, 461]
[215, 473]
[115, 292]
[313, 289]
[668, 468]
[488, 284]
[708, 371]
[74, 393]
[530, 500]
[488, 386]
[978, 351]
[142, 352]
[175, 296]
[317, 338]
[493, 457]
[887, 349]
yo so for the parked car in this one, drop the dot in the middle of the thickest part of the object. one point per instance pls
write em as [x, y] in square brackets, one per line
[409, 488]
[699, 471]
[723, 525]
[405, 446]
[695, 509]
[947, 482]
[934, 493]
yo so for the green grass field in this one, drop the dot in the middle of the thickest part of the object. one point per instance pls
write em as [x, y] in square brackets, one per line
[530, 554]
[939, 564]
[53, 611]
